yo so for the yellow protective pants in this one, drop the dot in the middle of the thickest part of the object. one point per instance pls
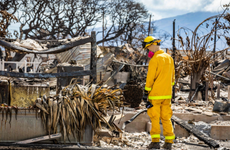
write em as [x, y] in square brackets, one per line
[161, 110]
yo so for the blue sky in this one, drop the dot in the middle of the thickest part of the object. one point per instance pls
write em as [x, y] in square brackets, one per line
[169, 8]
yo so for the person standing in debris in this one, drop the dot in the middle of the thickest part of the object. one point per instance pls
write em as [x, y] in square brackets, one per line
[158, 92]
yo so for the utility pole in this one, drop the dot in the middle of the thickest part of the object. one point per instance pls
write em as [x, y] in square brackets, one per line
[174, 54]
[214, 48]
[149, 24]
[103, 28]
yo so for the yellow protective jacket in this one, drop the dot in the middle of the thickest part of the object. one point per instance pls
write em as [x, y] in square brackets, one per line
[160, 76]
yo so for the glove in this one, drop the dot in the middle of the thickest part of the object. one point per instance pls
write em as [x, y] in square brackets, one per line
[145, 96]
[148, 105]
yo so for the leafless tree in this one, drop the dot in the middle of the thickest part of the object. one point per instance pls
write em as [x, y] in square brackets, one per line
[7, 9]
[125, 16]
[59, 18]
[196, 49]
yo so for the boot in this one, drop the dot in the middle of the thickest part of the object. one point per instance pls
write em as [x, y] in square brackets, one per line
[154, 145]
[167, 146]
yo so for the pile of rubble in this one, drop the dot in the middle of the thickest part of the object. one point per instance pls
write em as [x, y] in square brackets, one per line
[143, 139]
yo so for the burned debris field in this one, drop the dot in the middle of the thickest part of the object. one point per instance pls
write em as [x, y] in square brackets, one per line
[67, 89]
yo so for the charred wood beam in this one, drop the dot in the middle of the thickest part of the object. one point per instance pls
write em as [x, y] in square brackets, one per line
[200, 135]
[45, 75]
[218, 75]
[54, 50]
[42, 138]
[93, 58]
[198, 88]
[75, 146]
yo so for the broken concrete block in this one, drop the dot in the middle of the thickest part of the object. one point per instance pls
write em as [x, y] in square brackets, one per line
[196, 117]
[137, 125]
[210, 114]
[225, 118]
[104, 132]
[181, 101]
[180, 132]
[102, 143]
[220, 132]
[107, 139]
[193, 109]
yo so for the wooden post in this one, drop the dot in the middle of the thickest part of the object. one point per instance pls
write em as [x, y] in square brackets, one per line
[228, 92]
[93, 59]
[206, 91]
[211, 85]
[218, 91]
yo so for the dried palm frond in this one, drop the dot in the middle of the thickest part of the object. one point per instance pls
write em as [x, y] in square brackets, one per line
[77, 107]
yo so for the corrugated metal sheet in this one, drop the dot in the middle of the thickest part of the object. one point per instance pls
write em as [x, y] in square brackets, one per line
[78, 53]
[102, 62]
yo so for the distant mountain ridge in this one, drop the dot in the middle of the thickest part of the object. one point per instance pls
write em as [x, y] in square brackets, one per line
[189, 20]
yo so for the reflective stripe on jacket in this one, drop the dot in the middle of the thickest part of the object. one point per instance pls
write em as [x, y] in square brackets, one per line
[160, 76]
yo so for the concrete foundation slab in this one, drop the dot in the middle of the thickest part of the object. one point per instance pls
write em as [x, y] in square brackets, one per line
[196, 117]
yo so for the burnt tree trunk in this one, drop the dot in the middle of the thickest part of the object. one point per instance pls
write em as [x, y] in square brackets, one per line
[195, 79]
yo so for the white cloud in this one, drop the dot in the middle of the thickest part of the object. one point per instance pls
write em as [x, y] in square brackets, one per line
[216, 5]
[169, 8]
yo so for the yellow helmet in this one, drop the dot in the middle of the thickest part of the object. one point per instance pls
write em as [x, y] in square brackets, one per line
[149, 40]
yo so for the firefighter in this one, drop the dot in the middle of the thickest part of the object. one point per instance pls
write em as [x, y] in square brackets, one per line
[158, 92]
